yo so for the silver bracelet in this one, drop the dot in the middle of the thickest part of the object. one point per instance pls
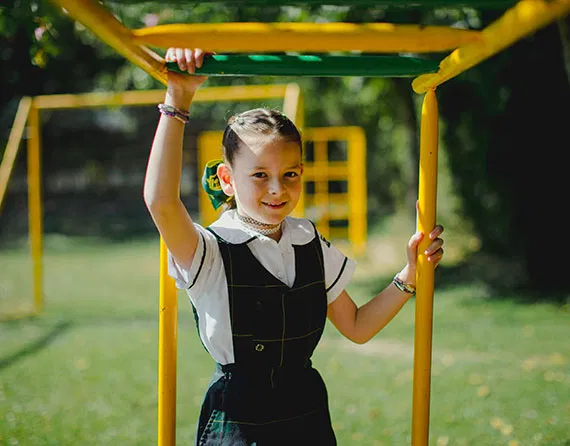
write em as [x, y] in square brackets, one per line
[403, 286]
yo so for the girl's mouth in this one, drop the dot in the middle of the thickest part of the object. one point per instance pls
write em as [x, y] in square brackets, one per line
[275, 205]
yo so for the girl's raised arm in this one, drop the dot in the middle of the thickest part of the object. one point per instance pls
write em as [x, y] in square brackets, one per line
[162, 180]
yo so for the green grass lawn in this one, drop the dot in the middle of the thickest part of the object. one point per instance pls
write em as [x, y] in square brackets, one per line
[85, 371]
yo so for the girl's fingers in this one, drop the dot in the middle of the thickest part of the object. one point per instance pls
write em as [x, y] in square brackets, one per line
[436, 232]
[436, 256]
[415, 240]
[434, 246]
[190, 62]
[180, 58]
[188, 59]
[198, 57]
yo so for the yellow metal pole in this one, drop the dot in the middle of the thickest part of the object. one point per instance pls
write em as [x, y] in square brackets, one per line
[13, 145]
[106, 27]
[357, 223]
[425, 271]
[35, 204]
[321, 200]
[306, 37]
[209, 148]
[291, 104]
[294, 108]
[167, 351]
[526, 17]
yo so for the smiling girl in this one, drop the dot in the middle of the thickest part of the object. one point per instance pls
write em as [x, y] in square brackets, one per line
[260, 282]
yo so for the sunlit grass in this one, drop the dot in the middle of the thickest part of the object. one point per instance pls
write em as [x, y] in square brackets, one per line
[85, 371]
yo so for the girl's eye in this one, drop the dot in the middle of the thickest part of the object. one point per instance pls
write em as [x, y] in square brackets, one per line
[291, 174]
[259, 175]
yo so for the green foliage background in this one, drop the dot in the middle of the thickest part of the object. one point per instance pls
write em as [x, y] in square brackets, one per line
[503, 129]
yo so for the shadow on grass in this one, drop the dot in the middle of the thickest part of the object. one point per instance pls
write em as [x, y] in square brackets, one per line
[60, 328]
[39, 344]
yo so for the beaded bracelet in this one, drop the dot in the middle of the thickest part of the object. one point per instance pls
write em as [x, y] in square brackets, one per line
[404, 286]
[174, 112]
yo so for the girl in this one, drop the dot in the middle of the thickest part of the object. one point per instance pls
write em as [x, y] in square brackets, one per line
[261, 283]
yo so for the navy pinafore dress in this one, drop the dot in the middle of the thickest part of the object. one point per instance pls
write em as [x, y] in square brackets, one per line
[270, 395]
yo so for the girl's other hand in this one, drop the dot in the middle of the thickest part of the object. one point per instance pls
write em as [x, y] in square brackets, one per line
[434, 253]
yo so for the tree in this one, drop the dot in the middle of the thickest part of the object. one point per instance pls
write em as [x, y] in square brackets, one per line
[506, 129]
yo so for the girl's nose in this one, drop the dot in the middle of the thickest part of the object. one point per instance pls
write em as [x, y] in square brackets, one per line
[275, 186]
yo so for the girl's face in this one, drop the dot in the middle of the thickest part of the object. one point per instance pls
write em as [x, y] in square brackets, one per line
[265, 178]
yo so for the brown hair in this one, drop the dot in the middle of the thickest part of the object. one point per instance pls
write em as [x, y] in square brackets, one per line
[259, 121]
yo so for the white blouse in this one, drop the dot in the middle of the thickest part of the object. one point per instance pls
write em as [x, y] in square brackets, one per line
[205, 280]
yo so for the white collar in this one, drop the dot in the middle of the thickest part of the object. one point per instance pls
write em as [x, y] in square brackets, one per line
[298, 231]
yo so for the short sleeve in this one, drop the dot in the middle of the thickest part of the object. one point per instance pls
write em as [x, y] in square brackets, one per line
[338, 270]
[207, 263]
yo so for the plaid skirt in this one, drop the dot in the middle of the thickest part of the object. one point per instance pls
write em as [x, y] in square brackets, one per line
[272, 407]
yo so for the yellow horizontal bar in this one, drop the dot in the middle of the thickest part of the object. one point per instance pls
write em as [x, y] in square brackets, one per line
[85, 100]
[338, 233]
[13, 145]
[307, 37]
[337, 199]
[332, 133]
[149, 97]
[524, 18]
[332, 170]
[241, 93]
[332, 212]
[107, 28]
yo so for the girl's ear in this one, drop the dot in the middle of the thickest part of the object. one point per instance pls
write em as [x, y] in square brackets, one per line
[225, 176]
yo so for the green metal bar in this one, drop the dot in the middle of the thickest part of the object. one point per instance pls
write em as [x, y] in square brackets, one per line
[312, 65]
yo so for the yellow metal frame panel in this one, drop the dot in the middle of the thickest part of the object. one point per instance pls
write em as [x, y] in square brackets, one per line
[321, 171]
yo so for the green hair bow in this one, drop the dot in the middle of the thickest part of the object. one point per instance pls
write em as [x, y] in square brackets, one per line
[211, 184]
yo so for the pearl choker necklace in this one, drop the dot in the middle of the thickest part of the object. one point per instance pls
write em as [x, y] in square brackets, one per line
[257, 226]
